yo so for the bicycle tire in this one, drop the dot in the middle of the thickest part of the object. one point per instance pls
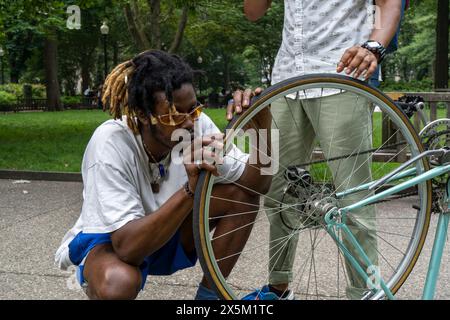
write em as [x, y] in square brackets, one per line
[201, 230]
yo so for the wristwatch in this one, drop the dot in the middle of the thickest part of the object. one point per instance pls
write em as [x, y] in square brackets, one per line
[376, 48]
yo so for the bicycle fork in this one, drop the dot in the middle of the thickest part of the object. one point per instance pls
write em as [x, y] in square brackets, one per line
[334, 223]
[438, 249]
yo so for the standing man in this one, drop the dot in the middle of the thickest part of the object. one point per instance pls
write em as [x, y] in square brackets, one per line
[324, 37]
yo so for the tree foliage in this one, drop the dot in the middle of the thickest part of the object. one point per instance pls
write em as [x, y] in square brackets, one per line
[234, 52]
[413, 63]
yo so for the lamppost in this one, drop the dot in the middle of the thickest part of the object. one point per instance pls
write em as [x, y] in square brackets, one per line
[2, 53]
[199, 61]
[104, 29]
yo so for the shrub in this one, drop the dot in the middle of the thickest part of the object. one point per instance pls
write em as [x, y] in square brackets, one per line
[414, 85]
[6, 101]
[38, 90]
[7, 98]
[71, 99]
[13, 88]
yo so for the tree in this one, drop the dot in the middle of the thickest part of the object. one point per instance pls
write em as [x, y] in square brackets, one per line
[51, 72]
[146, 20]
[24, 22]
[441, 65]
[50, 17]
[234, 48]
[422, 36]
[19, 37]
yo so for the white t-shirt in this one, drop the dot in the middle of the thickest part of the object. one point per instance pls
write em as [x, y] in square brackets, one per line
[117, 181]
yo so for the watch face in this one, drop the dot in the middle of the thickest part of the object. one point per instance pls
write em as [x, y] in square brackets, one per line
[372, 44]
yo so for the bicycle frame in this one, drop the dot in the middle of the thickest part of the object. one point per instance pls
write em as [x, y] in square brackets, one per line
[335, 220]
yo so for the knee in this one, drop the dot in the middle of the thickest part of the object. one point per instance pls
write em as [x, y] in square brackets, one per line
[119, 283]
[242, 200]
[239, 193]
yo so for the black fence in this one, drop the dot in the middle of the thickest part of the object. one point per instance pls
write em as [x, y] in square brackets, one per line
[41, 105]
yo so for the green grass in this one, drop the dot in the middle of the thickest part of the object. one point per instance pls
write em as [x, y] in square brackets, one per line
[218, 116]
[46, 141]
[55, 141]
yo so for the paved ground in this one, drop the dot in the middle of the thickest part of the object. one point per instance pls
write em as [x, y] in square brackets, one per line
[34, 217]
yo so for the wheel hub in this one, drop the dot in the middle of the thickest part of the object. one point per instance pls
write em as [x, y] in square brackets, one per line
[309, 201]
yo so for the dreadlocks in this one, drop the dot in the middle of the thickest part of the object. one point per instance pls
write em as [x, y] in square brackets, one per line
[131, 85]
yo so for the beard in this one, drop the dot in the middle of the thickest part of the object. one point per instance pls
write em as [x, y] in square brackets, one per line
[165, 140]
[160, 137]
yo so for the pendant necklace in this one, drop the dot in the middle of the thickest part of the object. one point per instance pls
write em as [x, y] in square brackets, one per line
[157, 169]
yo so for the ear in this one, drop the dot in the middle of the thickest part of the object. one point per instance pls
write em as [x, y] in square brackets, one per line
[142, 118]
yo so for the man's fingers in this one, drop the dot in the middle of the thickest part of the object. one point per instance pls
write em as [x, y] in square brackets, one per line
[240, 101]
[371, 70]
[258, 91]
[346, 57]
[246, 99]
[209, 167]
[363, 66]
[209, 146]
[356, 61]
[216, 145]
[193, 169]
[230, 109]
[208, 139]
[237, 97]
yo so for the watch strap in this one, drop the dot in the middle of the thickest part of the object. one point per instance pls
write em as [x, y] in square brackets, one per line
[380, 50]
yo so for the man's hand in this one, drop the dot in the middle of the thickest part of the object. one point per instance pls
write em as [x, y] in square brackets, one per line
[241, 100]
[203, 153]
[359, 60]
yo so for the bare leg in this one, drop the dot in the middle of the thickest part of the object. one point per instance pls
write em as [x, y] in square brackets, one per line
[232, 242]
[108, 277]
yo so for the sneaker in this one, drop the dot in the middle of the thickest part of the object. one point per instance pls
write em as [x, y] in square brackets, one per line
[265, 294]
[203, 293]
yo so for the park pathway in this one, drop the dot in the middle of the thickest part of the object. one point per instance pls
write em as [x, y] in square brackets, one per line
[34, 216]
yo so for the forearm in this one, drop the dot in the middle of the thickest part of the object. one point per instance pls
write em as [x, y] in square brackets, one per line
[387, 20]
[142, 237]
[255, 9]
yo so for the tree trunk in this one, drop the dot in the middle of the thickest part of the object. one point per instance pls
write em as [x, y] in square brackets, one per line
[135, 27]
[51, 73]
[155, 16]
[14, 71]
[14, 77]
[226, 62]
[115, 54]
[85, 75]
[99, 75]
[441, 65]
[180, 31]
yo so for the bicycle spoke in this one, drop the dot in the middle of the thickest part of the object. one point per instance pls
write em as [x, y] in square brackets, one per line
[297, 208]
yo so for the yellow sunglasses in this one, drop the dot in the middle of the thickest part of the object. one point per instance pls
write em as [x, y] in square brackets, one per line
[176, 118]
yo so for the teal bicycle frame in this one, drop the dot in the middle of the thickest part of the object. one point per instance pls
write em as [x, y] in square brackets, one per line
[335, 220]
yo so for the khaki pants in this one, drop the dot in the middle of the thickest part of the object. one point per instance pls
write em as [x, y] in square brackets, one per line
[342, 124]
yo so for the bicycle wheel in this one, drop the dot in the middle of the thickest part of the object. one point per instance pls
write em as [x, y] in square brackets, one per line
[334, 133]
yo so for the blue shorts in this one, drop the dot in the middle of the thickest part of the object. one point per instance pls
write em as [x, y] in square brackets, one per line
[165, 261]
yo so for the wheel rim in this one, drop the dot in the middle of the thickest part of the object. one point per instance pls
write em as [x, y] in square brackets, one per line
[412, 249]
